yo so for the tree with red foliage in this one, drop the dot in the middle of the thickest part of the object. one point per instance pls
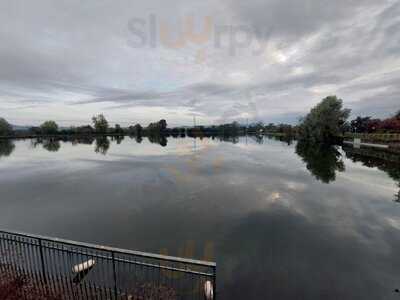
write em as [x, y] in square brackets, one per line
[373, 125]
[365, 125]
[391, 125]
[369, 125]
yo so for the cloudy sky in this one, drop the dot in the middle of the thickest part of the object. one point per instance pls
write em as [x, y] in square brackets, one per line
[139, 61]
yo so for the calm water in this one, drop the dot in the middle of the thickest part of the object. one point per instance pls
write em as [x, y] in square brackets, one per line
[282, 222]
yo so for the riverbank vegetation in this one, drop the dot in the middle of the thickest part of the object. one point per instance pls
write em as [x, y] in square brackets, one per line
[326, 122]
[5, 128]
[373, 125]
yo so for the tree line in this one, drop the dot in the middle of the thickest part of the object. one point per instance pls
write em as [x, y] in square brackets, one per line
[325, 122]
[100, 125]
[373, 125]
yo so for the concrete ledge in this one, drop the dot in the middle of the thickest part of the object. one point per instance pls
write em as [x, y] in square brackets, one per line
[381, 146]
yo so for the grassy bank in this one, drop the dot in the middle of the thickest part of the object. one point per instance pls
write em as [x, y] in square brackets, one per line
[391, 139]
[375, 137]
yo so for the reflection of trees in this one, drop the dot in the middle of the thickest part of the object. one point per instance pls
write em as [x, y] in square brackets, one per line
[259, 139]
[102, 145]
[6, 148]
[158, 139]
[118, 138]
[322, 160]
[386, 161]
[139, 139]
[87, 140]
[284, 138]
[35, 142]
[234, 139]
[51, 145]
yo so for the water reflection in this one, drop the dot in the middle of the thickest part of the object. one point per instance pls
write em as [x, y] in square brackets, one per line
[102, 145]
[51, 145]
[234, 139]
[158, 139]
[287, 139]
[6, 148]
[118, 139]
[276, 232]
[322, 160]
[86, 140]
[386, 161]
[139, 139]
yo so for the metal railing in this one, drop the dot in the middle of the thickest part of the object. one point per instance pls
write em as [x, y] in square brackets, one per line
[75, 270]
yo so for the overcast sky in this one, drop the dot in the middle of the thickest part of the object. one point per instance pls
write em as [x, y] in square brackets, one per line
[139, 61]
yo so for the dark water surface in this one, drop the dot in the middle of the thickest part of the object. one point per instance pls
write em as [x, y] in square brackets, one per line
[282, 222]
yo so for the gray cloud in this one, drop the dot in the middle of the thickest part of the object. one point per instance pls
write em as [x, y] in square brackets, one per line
[292, 19]
[70, 59]
[380, 105]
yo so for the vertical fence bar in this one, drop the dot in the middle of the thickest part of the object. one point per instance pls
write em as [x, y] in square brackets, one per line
[114, 275]
[215, 282]
[42, 260]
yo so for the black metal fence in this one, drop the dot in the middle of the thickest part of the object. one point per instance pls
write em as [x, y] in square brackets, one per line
[72, 270]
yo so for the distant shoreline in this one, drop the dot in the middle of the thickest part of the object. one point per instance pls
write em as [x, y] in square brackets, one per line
[144, 134]
[392, 140]
[34, 136]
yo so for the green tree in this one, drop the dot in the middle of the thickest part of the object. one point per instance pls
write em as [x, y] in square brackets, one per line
[83, 130]
[157, 128]
[271, 128]
[118, 129]
[136, 130]
[360, 124]
[325, 121]
[397, 115]
[6, 147]
[163, 124]
[100, 123]
[5, 128]
[49, 127]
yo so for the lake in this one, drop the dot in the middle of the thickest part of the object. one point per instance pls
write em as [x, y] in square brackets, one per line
[282, 221]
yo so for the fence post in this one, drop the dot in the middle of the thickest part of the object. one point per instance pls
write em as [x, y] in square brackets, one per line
[42, 260]
[114, 275]
[215, 282]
